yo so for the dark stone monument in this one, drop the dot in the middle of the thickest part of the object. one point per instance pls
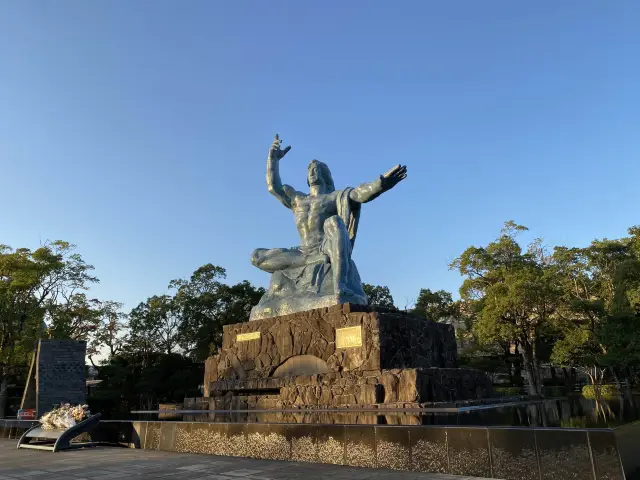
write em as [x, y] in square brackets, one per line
[340, 356]
[56, 375]
[312, 341]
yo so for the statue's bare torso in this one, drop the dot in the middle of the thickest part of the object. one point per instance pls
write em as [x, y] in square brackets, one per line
[310, 213]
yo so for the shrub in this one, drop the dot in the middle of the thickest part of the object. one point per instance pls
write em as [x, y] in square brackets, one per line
[606, 391]
[507, 391]
[576, 422]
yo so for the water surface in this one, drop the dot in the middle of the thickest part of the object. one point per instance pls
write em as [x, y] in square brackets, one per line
[572, 412]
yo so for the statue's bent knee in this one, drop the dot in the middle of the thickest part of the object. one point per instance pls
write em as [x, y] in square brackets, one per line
[256, 257]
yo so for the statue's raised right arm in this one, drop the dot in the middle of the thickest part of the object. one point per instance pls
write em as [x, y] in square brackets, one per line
[284, 193]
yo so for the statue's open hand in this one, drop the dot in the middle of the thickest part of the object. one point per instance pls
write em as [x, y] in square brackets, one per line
[275, 152]
[393, 176]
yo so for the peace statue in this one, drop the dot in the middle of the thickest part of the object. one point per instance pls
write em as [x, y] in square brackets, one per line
[320, 272]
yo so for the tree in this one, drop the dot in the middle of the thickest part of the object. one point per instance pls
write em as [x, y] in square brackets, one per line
[131, 381]
[436, 305]
[154, 326]
[111, 333]
[379, 296]
[206, 304]
[77, 318]
[598, 318]
[514, 294]
[31, 283]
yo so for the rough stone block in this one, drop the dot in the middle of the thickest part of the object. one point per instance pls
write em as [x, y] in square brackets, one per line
[340, 356]
[305, 343]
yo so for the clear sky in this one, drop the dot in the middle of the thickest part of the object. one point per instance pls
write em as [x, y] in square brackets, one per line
[139, 130]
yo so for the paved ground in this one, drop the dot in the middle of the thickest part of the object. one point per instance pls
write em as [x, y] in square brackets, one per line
[107, 463]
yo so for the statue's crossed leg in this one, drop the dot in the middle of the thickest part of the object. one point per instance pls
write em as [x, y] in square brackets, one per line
[335, 248]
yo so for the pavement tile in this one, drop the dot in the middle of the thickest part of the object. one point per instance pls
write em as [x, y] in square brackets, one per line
[195, 467]
[244, 472]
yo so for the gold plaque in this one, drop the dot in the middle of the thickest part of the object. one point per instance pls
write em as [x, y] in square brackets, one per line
[349, 337]
[243, 337]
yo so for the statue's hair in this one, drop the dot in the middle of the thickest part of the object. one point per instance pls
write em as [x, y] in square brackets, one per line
[324, 171]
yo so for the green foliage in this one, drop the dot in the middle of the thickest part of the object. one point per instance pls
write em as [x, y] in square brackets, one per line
[131, 381]
[36, 287]
[205, 304]
[507, 391]
[511, 294]
[436, 306]
[578, 308]
[574, 422]
[490, 359]
[77, 318]
[111, 333]
[606, 391]
[379, 296]
[599, 316]
[154, 326]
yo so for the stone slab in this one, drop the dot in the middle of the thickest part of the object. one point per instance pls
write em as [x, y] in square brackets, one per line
[56, 375]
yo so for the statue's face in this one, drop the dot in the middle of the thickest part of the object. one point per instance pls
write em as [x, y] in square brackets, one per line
[320, 175]
[314, 176]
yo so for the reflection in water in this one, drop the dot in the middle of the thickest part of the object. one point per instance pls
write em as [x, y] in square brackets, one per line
[574, 411]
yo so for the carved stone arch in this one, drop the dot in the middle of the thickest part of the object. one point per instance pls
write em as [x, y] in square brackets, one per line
[301, 365]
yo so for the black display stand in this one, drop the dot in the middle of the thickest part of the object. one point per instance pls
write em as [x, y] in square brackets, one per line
[38, 438]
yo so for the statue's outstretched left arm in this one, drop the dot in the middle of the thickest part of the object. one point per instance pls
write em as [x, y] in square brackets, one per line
[368, 191]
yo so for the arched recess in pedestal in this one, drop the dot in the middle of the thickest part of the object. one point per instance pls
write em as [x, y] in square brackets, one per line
[301, 365]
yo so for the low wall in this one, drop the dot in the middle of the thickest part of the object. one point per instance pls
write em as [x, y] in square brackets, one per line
[493, 452]
[505, 453]
[628, 439]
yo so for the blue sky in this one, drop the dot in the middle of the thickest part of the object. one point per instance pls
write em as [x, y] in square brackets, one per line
[139, 130]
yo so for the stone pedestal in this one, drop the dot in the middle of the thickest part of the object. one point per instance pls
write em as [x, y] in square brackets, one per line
[339, 356]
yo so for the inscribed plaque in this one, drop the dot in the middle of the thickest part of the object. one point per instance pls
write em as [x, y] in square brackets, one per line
[349, 337]
[243, 337]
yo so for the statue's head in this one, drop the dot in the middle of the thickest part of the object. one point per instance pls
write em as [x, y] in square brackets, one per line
[319, 174]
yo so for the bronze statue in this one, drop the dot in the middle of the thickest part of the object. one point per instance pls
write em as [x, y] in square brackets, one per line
[320, 271]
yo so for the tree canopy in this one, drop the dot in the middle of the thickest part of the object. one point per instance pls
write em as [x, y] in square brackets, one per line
[520, 307]
[379, 296]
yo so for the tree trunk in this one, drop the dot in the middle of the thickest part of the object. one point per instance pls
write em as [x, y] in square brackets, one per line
[596, 376]
[4, 392]
[531, 367]
[534, 386]
[516, 378]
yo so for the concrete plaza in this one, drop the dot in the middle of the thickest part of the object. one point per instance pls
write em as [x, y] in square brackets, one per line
[107, 463]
